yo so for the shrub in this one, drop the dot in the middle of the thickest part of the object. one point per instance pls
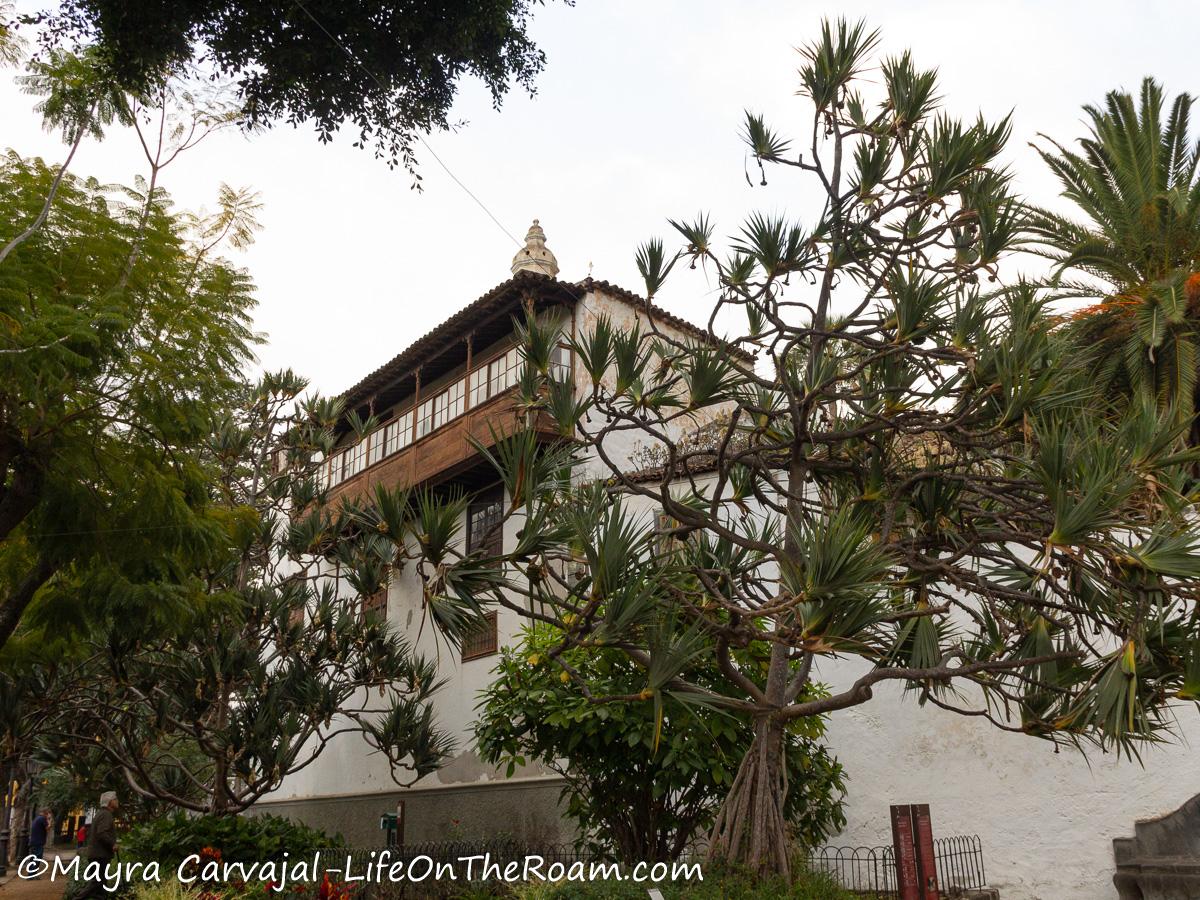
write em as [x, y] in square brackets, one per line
[643, 779]
[172, 839]
[167, 889]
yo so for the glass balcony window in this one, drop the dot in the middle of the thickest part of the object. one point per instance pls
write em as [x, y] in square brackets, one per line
[487, 381]
[398, 434]
[425, 418]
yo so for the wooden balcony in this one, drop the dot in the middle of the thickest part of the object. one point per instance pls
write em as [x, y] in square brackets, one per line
[445, 452]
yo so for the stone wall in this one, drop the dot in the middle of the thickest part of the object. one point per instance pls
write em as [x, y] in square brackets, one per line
[526, 810]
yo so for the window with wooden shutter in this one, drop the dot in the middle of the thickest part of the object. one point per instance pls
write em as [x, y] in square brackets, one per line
[482, 640]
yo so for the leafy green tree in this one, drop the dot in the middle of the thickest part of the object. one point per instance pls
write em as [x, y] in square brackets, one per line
[78, 100]
[1135, 182]
[12, 47]
[640, 787]
[909, 476]
[81, 776]
[390, 69]
[17, 743]
[109, 371]
[274, 657]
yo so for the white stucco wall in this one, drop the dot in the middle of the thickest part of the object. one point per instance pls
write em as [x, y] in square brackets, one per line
[349, 767]
[1046, 820]
[621, 446]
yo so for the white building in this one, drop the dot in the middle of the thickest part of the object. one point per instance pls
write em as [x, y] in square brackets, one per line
[1046, 819]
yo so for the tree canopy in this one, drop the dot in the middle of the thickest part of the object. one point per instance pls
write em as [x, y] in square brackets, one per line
[1134, 178]
[1135, 181]
[269, 658]
[910, 475]
[122, 339]
[390, 69]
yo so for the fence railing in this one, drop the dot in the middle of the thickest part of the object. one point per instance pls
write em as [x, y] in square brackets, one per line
[871, 871]
[867, 871]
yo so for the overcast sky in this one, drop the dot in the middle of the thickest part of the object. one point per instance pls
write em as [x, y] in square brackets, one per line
[635, 120]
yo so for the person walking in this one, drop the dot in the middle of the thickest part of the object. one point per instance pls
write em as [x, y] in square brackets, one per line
[101, 844]
[37, 833]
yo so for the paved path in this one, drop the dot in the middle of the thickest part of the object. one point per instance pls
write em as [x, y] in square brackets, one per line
[14, 888]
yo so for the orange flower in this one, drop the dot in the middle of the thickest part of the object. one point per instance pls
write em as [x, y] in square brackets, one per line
[1191, 287]
[332, 890]
[1116, 303]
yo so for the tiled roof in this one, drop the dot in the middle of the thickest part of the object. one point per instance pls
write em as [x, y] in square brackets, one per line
[702, 465]
[449, 330]
[452, 328]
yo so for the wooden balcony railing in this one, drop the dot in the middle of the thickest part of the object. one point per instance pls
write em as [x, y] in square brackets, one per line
[431, 436]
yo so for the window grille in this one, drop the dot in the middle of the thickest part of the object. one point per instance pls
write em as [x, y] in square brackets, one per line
[481, 641]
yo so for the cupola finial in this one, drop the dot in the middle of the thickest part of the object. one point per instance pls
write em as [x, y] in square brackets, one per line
[535, 256]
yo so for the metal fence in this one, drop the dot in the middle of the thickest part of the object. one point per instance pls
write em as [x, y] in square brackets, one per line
[867, 871]
[871, 871]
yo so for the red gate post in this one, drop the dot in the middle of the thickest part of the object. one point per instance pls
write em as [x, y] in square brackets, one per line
[908, 883]
[926, 863]
[912, 842]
